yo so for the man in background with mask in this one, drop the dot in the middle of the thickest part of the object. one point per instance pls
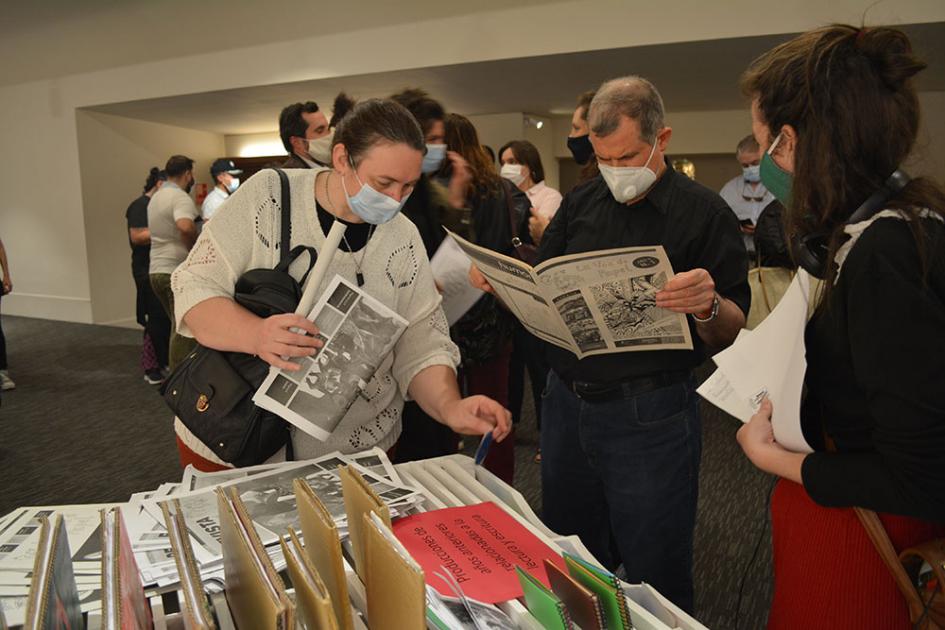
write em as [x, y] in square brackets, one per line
[172, 217]
[745, 193]
[305, 135]
[224, 174]
[621, 435]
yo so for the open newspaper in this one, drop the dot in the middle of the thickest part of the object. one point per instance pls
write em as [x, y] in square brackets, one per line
[592, 303]
[358, 332]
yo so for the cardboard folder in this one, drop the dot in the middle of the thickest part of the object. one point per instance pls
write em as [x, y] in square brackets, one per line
[195, 607]
[53, 601]
[254, 591]
[396, 590]
[360, 499]
[323, 548]
[124, 606]
[311, 596]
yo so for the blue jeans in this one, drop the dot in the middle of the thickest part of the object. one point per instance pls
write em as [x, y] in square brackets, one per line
[623, 475]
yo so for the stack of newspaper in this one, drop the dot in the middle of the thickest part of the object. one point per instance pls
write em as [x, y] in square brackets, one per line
[265, 490]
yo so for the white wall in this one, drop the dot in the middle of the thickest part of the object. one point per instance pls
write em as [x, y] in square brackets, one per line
[254, 144]
[115, 155]
[41, 216]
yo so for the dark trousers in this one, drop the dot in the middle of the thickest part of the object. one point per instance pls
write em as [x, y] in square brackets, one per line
[527, 353]
[422, 437]
[492, 379]
[179, 346]
[152, 316]
[624, 476]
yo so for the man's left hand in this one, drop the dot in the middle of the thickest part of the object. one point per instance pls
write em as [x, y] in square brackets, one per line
[688, 292]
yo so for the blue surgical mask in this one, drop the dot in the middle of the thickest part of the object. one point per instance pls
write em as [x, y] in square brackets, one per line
[372, 206]
[752, 174]
[436, 153]
[233, 185]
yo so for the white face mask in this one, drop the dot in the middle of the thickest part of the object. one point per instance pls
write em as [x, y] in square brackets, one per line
[629, 182]
[513, 173]
[233, 185]
[320, 148]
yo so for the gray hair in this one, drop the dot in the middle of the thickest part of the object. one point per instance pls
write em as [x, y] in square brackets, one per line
[631, 96]
[748, 144]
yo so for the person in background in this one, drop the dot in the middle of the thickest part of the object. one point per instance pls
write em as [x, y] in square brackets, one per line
[484, 333]
[305, 135]
[521, 164]
[771, 245]
[172, 217]
[432, 206]
[6, 383]
[224, 173]
[490, 152]
[836, 113]
[148, 310]
[745, 194]
[376, 157]
[621, 437]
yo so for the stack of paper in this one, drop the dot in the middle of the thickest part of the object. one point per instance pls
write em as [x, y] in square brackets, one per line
[768, 361]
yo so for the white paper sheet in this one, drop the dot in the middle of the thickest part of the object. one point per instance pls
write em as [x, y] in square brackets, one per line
[450, 266]
[768, 362]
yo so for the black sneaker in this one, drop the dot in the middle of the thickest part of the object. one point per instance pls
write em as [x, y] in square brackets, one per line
[154, 377]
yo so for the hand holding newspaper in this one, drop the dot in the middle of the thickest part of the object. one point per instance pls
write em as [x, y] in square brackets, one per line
[767, 361]
[592, 303]
[358, 333]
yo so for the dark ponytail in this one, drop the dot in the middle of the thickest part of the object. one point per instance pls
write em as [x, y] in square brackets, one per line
[374, 121]
[342, 105]
[156, 175]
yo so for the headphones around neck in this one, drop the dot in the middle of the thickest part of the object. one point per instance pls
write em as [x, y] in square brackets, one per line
[811, 250]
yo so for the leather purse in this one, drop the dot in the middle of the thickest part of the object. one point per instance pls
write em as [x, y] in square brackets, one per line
[211, 391]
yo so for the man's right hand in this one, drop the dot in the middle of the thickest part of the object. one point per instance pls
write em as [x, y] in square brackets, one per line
[478, 280]
[276, 340]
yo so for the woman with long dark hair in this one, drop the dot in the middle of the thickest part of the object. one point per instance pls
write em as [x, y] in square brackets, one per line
[836, 114]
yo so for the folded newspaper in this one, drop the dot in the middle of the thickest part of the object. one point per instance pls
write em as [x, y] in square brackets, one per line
[358, 333]
[599, 302]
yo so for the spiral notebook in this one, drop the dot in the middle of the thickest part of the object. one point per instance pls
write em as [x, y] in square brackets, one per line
[606, 586]
[543, 604]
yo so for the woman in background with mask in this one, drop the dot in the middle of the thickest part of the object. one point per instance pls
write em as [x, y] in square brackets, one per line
[484, 333]
[376, 157]
[521, 164]
[836, 113]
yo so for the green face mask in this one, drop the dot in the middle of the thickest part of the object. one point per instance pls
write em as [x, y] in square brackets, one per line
[775, 178]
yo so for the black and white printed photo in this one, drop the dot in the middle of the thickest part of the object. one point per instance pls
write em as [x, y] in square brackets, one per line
[580, 322]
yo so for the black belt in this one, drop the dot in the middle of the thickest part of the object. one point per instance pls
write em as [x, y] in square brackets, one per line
[605, 392]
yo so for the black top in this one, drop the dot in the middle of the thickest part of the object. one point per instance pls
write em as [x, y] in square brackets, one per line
[770, 240]
[492, 217]
[430, 211]
[356, 234]
[137, 216]
[693, 224]
[876, 378]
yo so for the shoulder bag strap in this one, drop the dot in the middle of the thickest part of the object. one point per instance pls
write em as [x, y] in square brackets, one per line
[880, 539]
[513, 219]
[286, 223]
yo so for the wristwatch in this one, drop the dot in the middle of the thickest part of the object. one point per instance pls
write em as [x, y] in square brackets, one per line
[713, 312]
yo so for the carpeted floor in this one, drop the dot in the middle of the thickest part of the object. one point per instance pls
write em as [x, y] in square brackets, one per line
[82, 426]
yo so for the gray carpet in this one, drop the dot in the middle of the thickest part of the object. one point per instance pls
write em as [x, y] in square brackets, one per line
[83, 427]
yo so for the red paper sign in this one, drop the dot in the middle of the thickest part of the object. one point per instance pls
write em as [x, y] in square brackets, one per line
[480, 545]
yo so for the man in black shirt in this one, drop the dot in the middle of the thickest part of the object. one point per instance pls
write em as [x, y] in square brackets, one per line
[621, 435]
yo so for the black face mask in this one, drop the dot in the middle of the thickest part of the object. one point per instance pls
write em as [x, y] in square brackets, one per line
[581, 149]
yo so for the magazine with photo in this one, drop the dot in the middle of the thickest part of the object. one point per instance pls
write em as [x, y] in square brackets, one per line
[358, 333]
[599, 302]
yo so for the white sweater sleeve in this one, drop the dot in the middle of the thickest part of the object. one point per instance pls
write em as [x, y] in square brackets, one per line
[240, 238]
[426, 342]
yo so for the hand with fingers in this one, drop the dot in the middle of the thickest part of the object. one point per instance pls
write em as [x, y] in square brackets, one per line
[689, 292]
[536, 225]
[478, 280]
[478, 415]
[459, 180]
[281, 337]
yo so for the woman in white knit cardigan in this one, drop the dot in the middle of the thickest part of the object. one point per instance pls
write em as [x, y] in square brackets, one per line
[376, 158]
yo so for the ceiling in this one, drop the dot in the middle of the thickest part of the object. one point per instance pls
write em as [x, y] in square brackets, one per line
[692, 76]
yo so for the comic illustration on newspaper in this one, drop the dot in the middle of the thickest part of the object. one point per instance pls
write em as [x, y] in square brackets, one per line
[592, 303]
[358, 332]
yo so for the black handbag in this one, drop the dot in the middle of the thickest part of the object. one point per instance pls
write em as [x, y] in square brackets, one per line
[211, 391]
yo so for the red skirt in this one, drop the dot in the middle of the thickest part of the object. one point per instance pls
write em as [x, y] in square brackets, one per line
[827, 573]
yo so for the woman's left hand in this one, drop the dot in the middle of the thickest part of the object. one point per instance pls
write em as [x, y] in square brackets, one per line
[757, 440]
[477, 415]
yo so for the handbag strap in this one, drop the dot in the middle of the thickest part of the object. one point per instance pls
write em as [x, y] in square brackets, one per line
[513, 219]
[285, 202]
[880, 539]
